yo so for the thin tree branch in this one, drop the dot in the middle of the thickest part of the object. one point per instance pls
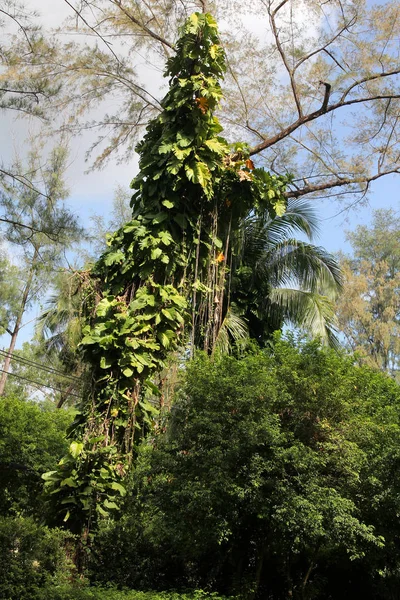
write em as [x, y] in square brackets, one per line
[22, 28]
[151, 33]
[325, 46]
[108, 44]
[311, 117]
[283, 56]
[309, 189]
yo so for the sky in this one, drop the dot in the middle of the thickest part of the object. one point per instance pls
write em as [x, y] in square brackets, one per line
[93, 192]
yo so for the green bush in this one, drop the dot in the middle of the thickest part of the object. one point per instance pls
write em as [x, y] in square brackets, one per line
[71, 592]
[32, 440]
[32, 558]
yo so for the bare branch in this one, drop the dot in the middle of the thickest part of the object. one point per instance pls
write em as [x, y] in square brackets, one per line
[22, 28]
[142, 26]
[310, 189]
[79, 14]
[325, 46]
[325, 102]
[284, 133]
[281, 51]
[366, 79]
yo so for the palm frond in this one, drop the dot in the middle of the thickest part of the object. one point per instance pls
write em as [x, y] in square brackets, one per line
[305, 266]
[233, 331]
[311, 311]
[300, 217]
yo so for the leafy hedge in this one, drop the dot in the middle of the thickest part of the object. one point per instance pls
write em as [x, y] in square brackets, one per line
[70, 592]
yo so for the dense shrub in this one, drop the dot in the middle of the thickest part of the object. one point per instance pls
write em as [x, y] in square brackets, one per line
[32, 440]
[278, 473]
[32, 558]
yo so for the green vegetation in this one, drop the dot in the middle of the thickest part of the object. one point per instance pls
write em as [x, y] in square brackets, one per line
[165, 281]
[209, 455]
[275, 476]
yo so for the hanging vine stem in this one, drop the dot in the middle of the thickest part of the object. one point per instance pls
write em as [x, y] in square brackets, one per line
[135, 315]
[196, 275]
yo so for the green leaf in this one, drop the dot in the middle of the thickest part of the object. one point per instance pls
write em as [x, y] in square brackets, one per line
[182, 139]
[168, 203]
[165, 237]
[156, 253]
[202, 175]
[280, 208]
[163, 339]
[189, 173]
[128, 372]
[68, 482]
[106, 362]
[112, 505]
[114, 257]
[119, 488]
[216, 146]
[50, 476]
[193, 23]
[75, 449]
[101, 510]
[159, 218]
[165, 147]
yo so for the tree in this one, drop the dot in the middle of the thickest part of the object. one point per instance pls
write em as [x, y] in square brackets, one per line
[314, 94]
[166, 268]
[270, 480]
[369, 308]
[277, 280]
[20, 91]
[102, 228]
[40, 228]
[32, 440]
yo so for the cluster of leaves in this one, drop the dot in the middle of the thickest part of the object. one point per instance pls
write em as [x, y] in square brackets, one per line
[141, 284]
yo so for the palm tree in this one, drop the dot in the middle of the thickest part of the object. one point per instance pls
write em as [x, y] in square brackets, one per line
[59, 329]
[277, 279]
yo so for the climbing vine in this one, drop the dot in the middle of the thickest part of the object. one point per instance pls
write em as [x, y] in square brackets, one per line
[162, 283]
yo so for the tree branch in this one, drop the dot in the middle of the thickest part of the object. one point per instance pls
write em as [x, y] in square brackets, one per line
[136, 21]
[309, 189]
[283, 55]
[79, 14]
[311, 117]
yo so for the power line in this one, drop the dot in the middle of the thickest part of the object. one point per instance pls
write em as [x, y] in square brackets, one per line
[31, 363]
[40, 385]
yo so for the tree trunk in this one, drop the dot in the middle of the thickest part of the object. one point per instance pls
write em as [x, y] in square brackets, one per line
[17, 325]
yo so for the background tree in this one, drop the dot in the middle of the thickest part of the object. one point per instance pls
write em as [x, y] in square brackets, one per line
[40, 229]
[369, 308]
[32, 440]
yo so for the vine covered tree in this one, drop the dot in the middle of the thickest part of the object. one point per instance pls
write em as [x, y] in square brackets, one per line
[166, 272]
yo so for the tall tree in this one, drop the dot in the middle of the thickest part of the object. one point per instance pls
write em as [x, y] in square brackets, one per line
[165, 273]
[312, 87]
[369, 309]
[39, 228]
